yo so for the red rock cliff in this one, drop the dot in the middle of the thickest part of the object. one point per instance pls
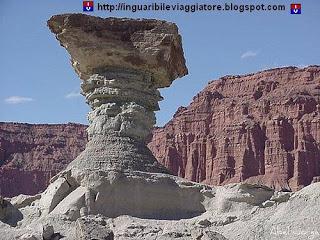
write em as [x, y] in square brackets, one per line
[262, 127]
[31, 154]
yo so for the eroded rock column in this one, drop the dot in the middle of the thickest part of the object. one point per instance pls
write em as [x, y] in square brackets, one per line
[122, 63]
[123, 102]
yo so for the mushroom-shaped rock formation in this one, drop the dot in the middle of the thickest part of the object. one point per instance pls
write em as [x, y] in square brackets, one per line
[122, 63]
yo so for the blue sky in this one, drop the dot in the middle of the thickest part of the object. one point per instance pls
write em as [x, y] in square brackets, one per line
[38, 84]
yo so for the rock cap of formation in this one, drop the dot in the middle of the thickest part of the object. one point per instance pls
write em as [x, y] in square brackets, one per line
[97, 44]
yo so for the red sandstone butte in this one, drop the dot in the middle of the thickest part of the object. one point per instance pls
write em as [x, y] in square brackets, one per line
[262, 127]
[31, 154]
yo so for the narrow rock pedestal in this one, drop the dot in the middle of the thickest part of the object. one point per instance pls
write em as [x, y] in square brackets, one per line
[122, 102]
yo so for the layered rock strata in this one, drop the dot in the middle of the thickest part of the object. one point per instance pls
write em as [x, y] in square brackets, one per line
[31, 154]
[262, 128]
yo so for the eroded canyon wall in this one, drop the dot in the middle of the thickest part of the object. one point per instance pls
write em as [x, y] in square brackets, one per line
[262, 127]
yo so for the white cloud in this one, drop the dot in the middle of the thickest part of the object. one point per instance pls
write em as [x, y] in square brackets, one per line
[249, 54]
[73, 95]
[18, 99]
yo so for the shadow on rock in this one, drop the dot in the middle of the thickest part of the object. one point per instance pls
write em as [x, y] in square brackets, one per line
[8, 213]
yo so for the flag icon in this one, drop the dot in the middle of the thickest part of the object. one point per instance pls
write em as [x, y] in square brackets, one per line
[295, 8]
[87, 6]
